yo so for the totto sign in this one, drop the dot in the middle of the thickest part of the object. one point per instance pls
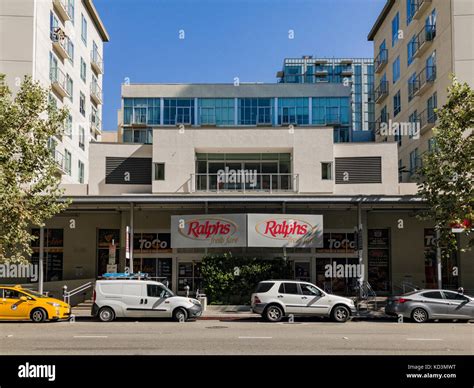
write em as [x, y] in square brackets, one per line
[155, 244]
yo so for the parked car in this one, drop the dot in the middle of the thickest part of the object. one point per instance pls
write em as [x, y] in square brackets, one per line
[274, 299]
[17, 303]
[140, 299]
[423, 305]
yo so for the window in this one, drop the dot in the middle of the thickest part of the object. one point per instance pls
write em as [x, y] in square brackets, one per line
[293, 111]
[67, 161]
[68, 127]
[70, 10]
[176, 110]
[82, 138]
[308, 289]
[159, 171]
[216, 111]
[289, 288]
[431, 144]
[53, 67]
[413, 161]
[455, 296]
[156, 291]
[411, 50]
[80, 170]
[70, 87]
[70, 51]
[431, 67]
[397, 104]
[84, 29]
[293, 74]
[396, 69]
[82, 104]
[83, 69]
[384, 114]
[395, 28]
[326, 171]
[432, 295]
[431, 105]
[331, 110]
[264, 287]
[410, 10]
[430, 25]
[412, 86]
[413, 120]
[253, 111]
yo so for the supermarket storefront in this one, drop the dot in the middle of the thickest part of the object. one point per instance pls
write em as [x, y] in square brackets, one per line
[170, 239]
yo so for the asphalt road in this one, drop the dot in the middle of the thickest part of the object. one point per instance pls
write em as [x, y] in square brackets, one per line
[243, 337]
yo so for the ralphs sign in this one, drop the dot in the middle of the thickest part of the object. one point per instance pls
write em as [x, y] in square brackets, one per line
[212, 230]
[285, 230]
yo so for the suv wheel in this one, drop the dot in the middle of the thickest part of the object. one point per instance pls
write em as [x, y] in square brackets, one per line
[273, 313]
[340, 314]
[106, 314]
[419, 315]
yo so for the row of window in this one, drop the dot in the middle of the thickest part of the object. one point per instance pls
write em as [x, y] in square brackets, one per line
[65, 160]
[250, 111]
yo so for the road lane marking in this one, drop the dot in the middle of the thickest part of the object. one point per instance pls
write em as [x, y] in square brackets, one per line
[255, 337]
[90, 336]
[424, 339]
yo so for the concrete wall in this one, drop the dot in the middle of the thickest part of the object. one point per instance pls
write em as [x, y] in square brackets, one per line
[463, 42]
[98, 153]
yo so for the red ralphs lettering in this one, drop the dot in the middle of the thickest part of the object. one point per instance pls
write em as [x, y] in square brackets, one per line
[198, 229]
[284, 229]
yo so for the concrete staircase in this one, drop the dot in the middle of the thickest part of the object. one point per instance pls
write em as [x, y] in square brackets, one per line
[83, 309]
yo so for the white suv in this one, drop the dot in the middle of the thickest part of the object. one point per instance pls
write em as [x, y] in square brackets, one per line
[273, 299]
[140, 299]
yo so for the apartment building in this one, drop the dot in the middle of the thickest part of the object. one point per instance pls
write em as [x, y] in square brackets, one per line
[357, 73]
[210, 168]
[418, 44]
[60, 44]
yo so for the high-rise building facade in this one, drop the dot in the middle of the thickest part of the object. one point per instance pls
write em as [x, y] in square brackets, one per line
[357, 73]
[60, 44]
[418, 44]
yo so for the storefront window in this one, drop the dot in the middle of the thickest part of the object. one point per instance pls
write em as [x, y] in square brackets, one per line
[447, 264]
[189, 274]
[108, 249]
[53, 253]
[379, 259]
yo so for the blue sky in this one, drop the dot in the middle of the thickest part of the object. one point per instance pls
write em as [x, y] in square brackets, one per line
[224, 39]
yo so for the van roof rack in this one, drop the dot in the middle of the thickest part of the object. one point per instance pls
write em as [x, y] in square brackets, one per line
[124, 276]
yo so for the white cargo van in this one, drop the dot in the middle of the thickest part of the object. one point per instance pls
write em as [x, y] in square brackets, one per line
[140, 299]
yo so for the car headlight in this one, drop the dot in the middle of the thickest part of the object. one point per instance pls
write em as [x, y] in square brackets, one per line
[195, 301]
[54, 304]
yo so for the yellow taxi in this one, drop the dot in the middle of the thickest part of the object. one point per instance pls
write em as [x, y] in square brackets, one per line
[17, 303]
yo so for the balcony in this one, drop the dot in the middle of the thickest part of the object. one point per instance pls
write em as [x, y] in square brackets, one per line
[347, 72]
[96, 93]
[96, 127]
[423, 80]
[61, 43]
[426, 120]
[381, 91]
[63, 8]
[252, 183]
[378, 124]
[97, 63]
[60, 160]
[380, 60]
[423, 40]
[420, 6]
[58, 81]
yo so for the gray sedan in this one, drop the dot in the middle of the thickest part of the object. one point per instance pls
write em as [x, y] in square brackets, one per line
[423, 305]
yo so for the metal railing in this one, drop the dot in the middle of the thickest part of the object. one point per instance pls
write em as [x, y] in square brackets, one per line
[95, 122]
[381, 91]
[96, 91]
[96, 61]
[427, 34]
[245, 182]
[67, 294]
[59, 159]
[418, 5]
[58, 35]
[365, 292]
[381, 60]
[57, 76]
[427, 75]
[378, 123]
[427, 118]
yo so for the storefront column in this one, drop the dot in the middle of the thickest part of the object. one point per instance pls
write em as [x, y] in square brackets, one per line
[132, 234]
[363, 254]
[124, 217]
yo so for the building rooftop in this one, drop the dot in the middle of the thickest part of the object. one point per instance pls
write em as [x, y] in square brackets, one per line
[96, 19]
[213, 90]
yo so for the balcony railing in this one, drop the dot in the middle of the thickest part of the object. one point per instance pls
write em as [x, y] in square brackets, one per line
[61, 43]
[423, 81]
[246, 183]
[419, 6]
[60, 160]
[95, 123]
[426, 120]
[423, 39]
[64, 8]
[96, 62]
[381, 60]
[58, 81]
[96, 93]
[381, 91]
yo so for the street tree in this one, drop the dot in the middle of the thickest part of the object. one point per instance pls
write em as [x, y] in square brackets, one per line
[29, 174]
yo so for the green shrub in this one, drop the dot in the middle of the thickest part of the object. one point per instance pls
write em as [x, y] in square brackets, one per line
[223, 285]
